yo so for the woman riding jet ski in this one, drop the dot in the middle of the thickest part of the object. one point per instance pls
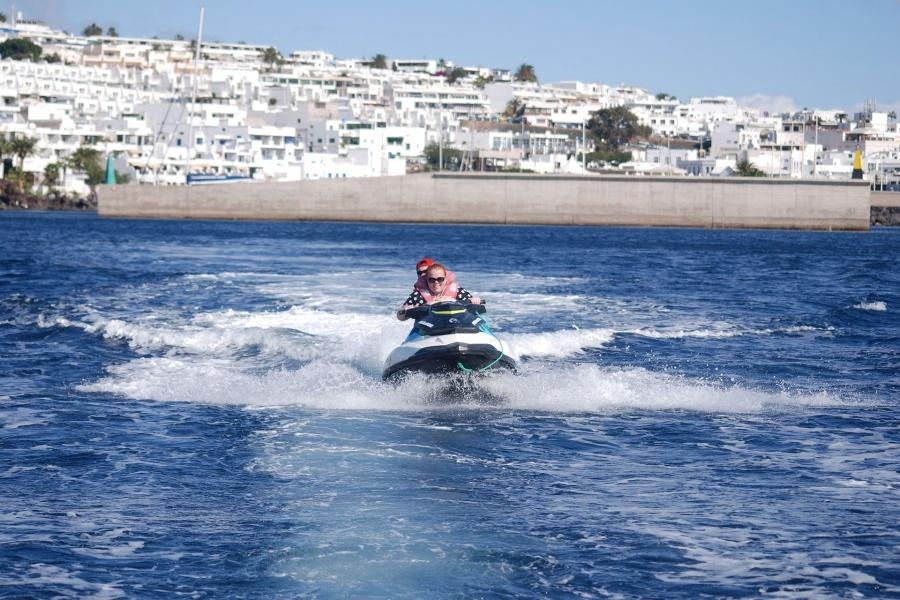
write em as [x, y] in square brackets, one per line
[449, 335]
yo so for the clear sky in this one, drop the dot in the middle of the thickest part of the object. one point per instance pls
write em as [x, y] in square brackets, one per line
[778, 54]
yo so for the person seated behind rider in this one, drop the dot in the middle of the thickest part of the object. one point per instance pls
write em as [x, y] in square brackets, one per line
[439, 287]
[423, 265]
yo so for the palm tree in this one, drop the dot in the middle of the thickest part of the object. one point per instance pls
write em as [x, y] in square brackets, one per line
[5, 148]
[51, 176]
[22, 147]
[66, 164]
[481, 81]
[525, 72]
[87, 160]
[379, 61]
[512, 107]
[92, 30]
[271, 56]
[745, 168]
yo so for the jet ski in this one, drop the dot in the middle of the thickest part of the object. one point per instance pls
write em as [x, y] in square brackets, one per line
[449, 337]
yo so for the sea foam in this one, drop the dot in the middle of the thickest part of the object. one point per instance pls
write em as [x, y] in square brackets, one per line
[877, 306]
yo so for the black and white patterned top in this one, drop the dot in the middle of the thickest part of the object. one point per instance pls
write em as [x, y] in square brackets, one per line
[416, 299]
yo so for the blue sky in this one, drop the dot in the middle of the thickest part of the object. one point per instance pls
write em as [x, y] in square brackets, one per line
[778, 54]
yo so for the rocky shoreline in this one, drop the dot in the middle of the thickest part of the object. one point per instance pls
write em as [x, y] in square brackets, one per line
[48, 202]
[885, 216]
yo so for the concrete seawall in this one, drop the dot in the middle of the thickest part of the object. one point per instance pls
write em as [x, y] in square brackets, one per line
[522, 199]
[885, 200]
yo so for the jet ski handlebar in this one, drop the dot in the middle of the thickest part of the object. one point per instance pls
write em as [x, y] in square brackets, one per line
[418, 312]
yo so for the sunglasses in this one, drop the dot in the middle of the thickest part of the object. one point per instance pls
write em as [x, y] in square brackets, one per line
[435, 280]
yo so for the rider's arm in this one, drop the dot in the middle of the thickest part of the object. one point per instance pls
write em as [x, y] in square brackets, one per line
[414, 299]
[467, 297]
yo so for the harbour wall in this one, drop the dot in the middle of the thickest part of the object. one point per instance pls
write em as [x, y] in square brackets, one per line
[885, 200]
[514, 199]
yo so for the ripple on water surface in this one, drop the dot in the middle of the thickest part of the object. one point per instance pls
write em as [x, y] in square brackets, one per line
[197, 409]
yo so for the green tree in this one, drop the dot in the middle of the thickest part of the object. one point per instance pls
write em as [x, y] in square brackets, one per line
[2, 17]
[614, 127]
[452, 157]
[111, 32]
[379, 61]
[87, 160]
[270, 56]
[20, 49]
[456, 74]
[512, 107]
[606, 156]
[745, 168]
[51, 175]
[5, 148]
[179, 37]
[526, 72]
[665, 96]
[92, 30]
[22, 148]
[53, 58]
[481, 81]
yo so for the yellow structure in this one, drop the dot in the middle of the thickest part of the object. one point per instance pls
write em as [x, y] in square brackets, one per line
[857, 165]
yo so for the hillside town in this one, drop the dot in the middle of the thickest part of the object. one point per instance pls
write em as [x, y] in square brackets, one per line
[77, 111]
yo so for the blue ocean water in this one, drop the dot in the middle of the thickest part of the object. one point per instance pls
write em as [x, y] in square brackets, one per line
[195, 409]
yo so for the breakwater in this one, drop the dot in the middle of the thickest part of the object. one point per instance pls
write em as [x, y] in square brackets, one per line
[524, 199]
[885, 209]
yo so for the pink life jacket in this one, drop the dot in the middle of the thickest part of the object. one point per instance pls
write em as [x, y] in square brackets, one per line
[451, 288]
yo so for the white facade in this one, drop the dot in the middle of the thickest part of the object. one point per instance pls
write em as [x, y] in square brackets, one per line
[312, 115]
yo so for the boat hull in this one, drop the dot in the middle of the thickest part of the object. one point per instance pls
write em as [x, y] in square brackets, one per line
[449, 337]
[453, 357]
